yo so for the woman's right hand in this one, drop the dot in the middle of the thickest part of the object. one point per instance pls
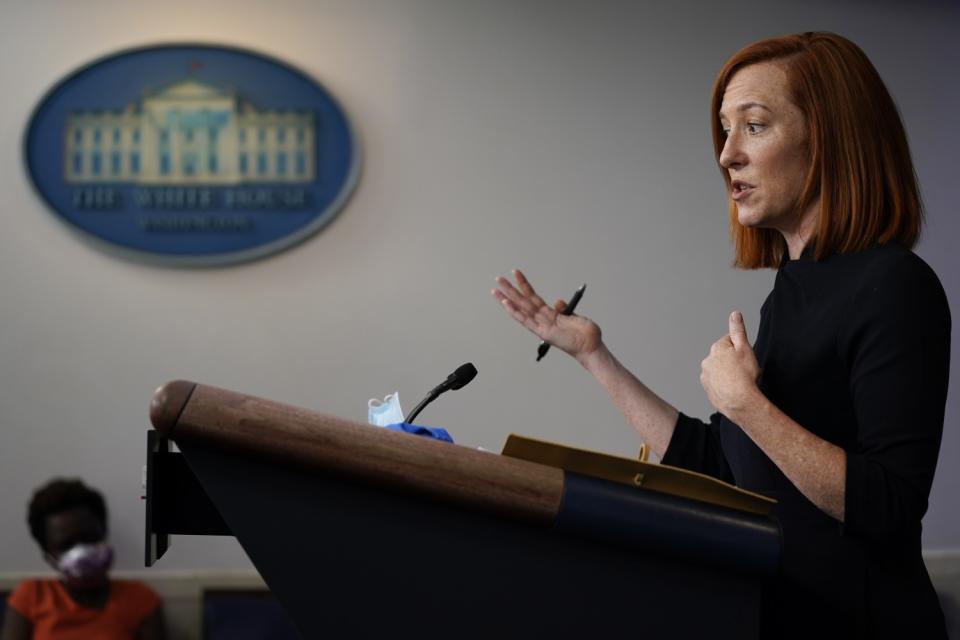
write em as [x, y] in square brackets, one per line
[573, 334]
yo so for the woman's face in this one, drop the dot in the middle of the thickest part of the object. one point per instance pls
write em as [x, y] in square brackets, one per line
[765, 151]
[74, 549]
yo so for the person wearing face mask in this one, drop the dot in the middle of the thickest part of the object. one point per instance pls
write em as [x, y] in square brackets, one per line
[837, 410]
[69, 522]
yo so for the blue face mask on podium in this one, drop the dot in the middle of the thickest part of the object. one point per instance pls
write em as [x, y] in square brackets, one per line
[386, 412]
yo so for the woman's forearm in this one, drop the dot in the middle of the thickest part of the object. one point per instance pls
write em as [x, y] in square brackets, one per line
[816, 467]
[650, 415]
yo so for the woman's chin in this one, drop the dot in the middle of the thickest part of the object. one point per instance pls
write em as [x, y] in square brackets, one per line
[747, 218]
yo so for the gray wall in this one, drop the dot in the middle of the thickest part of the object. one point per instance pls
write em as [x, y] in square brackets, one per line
[569, 138]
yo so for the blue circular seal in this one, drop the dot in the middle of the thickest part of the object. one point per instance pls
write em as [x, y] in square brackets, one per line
[192, 154]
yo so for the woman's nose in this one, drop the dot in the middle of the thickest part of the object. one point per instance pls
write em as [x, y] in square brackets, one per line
[732, 156]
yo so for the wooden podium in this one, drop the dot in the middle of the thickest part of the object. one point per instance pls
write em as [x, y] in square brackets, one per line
[362, 532]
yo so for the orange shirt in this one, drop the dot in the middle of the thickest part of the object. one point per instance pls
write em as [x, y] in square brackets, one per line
[55, 616]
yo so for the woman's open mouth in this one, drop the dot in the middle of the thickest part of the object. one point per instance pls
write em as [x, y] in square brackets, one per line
[740, 189]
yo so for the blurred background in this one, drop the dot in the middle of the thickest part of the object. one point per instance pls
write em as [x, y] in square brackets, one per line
[569, 138]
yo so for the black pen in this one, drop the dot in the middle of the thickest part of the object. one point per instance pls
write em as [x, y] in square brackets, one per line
[567, 310]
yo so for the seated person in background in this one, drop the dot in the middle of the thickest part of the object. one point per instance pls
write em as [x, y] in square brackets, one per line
[69, 522]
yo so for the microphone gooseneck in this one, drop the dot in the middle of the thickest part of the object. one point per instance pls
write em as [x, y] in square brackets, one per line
[456, 380]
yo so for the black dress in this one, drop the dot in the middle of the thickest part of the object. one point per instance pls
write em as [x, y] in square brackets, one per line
[856, 349]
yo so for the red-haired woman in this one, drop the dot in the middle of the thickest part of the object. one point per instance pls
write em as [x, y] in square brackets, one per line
[837, 411]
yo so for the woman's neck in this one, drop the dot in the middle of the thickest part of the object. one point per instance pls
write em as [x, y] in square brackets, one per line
[91, 598]
[798, 236]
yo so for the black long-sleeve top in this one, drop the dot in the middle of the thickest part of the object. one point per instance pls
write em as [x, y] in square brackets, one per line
[856, 349]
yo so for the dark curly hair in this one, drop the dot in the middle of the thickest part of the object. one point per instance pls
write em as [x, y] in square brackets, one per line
[62, 495]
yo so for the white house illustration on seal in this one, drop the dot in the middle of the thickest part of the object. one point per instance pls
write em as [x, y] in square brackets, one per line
[190, 133]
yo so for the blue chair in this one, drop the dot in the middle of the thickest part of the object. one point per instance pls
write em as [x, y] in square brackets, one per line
[245, 615]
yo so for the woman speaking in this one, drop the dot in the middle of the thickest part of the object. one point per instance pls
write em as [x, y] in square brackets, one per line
[837, 410]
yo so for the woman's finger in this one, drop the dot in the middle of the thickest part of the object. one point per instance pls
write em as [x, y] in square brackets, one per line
[520, 317]
[559, 305]
[527, 289]
[723, 344]
[530, 323]
[508, 291]
[522, 283]
[502, 299]
[508, 304]
[524, 302]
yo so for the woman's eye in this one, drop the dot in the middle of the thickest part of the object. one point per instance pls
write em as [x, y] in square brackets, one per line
[754, 127]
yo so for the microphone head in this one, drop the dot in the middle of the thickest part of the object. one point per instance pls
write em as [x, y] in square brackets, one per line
[463, 375]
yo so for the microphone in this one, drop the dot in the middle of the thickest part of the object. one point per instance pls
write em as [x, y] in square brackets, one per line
[456, 380]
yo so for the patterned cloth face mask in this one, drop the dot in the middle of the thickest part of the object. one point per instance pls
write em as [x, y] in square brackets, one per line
[86, 565]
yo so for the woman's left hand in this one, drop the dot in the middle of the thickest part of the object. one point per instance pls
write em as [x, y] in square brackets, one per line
[729, 373]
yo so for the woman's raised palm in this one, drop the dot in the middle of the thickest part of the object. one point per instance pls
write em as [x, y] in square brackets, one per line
[574, 334]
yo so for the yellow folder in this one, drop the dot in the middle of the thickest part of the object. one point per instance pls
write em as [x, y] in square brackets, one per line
[637, 473]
